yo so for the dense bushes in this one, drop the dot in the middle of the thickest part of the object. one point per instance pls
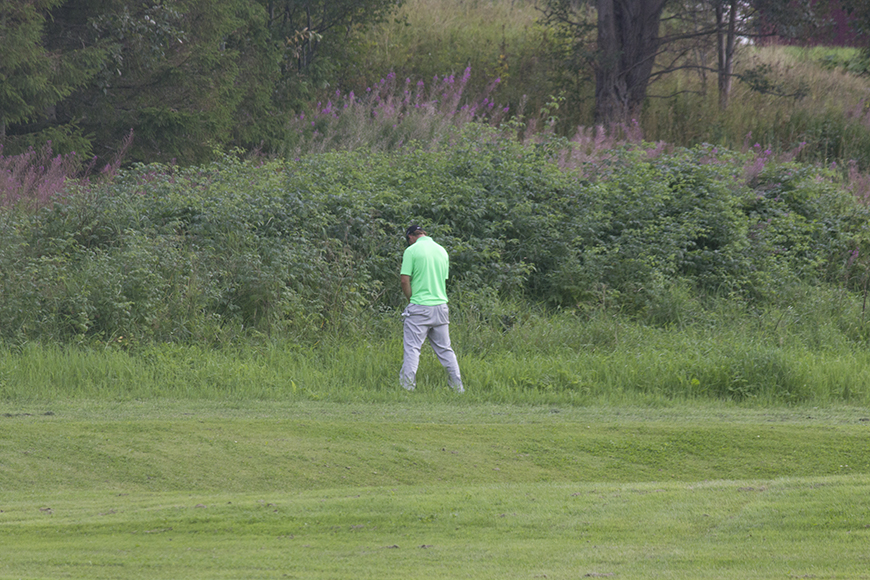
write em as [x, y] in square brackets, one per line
[205, 253]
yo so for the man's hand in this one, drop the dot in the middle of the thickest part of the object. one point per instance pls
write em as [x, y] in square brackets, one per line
[406, 286]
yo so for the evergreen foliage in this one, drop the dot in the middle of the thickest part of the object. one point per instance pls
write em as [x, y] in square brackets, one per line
[188, 78]
[34, 80]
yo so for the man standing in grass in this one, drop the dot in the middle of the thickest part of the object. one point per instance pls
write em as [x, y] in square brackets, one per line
[425, 268]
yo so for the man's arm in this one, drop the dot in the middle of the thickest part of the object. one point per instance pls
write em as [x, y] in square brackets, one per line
[406, 285]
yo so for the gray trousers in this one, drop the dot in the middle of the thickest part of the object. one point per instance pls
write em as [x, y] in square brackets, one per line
[432, 322]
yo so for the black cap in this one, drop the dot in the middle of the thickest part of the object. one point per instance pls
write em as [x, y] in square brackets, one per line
[413, 229]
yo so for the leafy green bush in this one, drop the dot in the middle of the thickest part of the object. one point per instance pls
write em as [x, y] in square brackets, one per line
[238, 247]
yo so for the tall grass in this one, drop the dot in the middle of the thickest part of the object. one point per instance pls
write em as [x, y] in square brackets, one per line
[504, 39]
[825, 115]
[801, 355]
[496, 39]
[392, 113]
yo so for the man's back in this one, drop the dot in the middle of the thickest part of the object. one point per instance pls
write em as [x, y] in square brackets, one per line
[428, 266]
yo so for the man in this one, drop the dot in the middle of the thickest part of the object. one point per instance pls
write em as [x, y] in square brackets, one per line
[425, 268]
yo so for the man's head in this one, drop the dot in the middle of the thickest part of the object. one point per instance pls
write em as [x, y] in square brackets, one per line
[413, 233]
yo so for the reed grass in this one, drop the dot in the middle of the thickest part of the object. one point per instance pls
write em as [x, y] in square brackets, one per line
[826, 124]
[799, 356]
[504, 39]
[496, 39]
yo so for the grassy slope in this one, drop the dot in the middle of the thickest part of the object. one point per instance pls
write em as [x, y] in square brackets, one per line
[504, 38]
[204, 490]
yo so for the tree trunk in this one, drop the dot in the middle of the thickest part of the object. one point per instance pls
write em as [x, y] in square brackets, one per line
[627, 44]
[726, 42]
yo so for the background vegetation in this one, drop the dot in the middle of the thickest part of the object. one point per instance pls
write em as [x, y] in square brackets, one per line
[693, 253]
[191, 81]
[662, 325]
[578, 275]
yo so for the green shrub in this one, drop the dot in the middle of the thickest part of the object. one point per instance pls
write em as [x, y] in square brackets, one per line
[249, 248]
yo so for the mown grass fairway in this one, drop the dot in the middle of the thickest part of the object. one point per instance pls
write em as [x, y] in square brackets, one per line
[442, 490]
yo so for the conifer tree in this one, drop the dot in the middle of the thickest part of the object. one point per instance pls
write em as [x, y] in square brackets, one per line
[34, 78]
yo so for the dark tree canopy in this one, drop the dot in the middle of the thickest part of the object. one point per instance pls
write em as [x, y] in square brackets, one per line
[36, 76]
[185, 76]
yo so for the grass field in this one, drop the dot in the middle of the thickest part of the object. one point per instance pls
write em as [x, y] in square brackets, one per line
[198, 377]
[415, 489]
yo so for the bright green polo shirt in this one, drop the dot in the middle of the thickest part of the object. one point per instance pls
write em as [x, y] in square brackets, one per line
[428, 265]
